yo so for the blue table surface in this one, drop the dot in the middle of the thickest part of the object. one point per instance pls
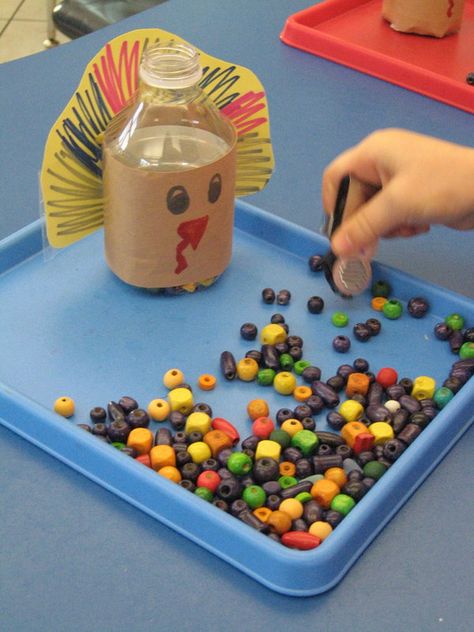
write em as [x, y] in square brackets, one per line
[75, 557]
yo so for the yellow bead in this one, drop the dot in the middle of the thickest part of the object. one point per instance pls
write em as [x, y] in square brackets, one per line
[268, 449]
[292, 507]
[171, 473]
[382, 432]
[292, 426]
[158, 409]
[161, 456]
[423, 387]
[273, 334]
[247, 369]
[320, 529]
[173, 378]
[351, 410]
[64, 406]
[198, 422]
[181, 399]
[141, 439]
[199, 451]
[284, 383]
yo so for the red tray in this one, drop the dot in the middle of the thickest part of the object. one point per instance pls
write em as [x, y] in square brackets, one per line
[353, 33]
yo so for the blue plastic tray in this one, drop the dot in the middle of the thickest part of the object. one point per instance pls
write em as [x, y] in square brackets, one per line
[69, 327]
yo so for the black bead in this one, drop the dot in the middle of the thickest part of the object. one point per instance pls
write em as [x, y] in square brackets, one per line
[98, 414]
[283, 297]
[99, 429]
[270, 357]
[294, 341]
[202, 407]
[185, 483]
[315, 263]
[361, 365]
[163, 436]
[283, 414]
[312, 511]
[315, 403]
[268, 295]
[115, 411]
[248, 331]
[296, 353]
[271, 487]
[407, 384]
[303, 468]
[182, 457]
[138, 418]
[282, 347]
[277, 319]
[220, 504]
[195, 436]
[308, 423]
[190, 471]
[333, 517]
[393, 448]
[273, 502]
[344, 370]
[324, 449]
[292, 454]
[335, 420]
[118, 430]
[442, 331]
[418, 307]
[250, 443]
[374, 326]
[469, 335]
[237, 506]
[294, 490]
[302, 411]
[455, 341]
[177, 420]
[341, 344]
[299, 525]
[311, 374]
[315, 305]
[420, 419]
[266, 469]
[337, 382]
[395, 391]
[323, 463]
[361, 332]
[354, 489]
[326, 393]
[255, 354]
[210, 464]
[228, 365]
[365, 457]
[344, 451]
[128, 404]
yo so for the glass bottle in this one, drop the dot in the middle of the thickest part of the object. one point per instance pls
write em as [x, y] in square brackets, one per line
[169, 178]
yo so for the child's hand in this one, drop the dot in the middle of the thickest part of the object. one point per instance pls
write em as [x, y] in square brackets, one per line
[411, 181]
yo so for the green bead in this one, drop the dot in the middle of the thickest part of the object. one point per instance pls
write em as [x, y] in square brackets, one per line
[442, 396]
[466, 351]
[300, 366]
[381, 288]
[204, 493]
[281, 437]
[265, 377]
[286, 362]
[339, 319]
[306, 440]
[118, 444]
[254, 496]
[239, 463]
[455, 321]
[374, 469]
[342, 503]
[304, 497]
[392, 309]
[287, 481]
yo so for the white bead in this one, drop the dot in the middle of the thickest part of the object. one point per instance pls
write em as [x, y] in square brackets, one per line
[392, 405]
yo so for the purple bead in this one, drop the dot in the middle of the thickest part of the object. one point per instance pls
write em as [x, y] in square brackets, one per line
[361, 332]
[273, 502]
[409, 403]
[315, 403]
[308, 423]
[177, 420]
[377, 412]
[335, 420]
[163, 437]
[118, 430]
[395, 391]
[228, 365]
[393, 448]
[99, 429]
[312, 511]
[248, 331]
[341, 344]
[337, 382]
[138, 418]
[202, 407]
[321, 463]
[294, 341]
[268, 295]
[282, 347]
[128, 404]
[315, 263]
[271, 487]
[237, 506]
[354, 489]
[361, 365]
[311, 374]
[270, 357]
[296, 353]
[266, 469]
[326, 393]
[333, 517]
[283, 414]
[315, 305]
[455, 341]
[374, 326]
[115, 411]
[283, 297]
[277, 319]
[375, 393]
[418, 306]
[442, 331]
[292, 454]
[303, 468]
[98, 414]
[294, 490]
[250, 443]
[344, 370]
[302, 411]
[400, 420]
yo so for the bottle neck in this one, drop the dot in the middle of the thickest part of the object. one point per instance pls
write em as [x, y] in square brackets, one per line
[175, 96]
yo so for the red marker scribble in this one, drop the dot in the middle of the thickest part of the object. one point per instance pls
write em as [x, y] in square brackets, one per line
[191, 233]
[240, 111]
[118, 79]
[449, 12]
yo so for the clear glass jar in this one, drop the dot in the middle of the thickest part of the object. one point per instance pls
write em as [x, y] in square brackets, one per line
[169, 178]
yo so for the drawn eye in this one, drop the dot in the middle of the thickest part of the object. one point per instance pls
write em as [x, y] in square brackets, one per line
[215, 188]
[177, 200]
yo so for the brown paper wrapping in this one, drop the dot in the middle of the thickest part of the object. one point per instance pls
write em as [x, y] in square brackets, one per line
[424, 17]
[148, 246]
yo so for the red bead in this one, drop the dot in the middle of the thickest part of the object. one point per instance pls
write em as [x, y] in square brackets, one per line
[218, 423]
[208, 479]
[262, 427]
[363, 442]
[300, 540]
[387, 377]
[144, 458]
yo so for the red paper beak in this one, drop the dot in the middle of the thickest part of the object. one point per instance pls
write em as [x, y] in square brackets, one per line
[191, 233]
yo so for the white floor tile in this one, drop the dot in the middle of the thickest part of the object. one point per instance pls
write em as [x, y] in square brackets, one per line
[22, 38]
[8, 8]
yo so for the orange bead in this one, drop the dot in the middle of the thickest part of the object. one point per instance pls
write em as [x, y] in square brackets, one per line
[337, 475]
[279, 522]
[378, 302]
[162, 456]
[207, 382]
[357, 383]
[171, 473]
[141, 439]
[350, 431]
[287, 468]
[257, 408]
[262, 513]
[217, 441]
[302, 393]
[323, 491]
